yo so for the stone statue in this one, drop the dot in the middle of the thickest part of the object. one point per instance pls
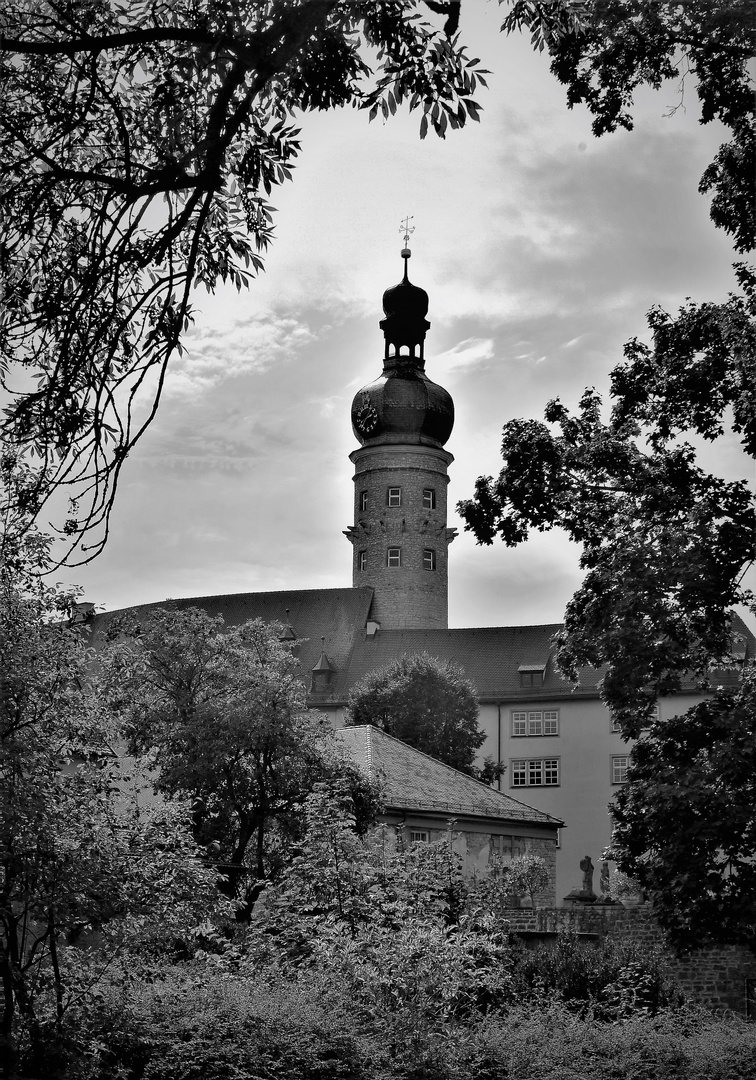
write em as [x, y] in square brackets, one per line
[604, 879]
[587, 867]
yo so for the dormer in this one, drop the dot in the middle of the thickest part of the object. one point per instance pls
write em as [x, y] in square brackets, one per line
[322, 674]
[533, 674]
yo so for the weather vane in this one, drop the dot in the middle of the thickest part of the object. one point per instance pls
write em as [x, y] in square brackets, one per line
[407, 229]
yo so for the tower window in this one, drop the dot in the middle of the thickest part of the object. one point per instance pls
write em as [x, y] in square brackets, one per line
[429, 559]
[363, 501]
[362, 560]
[394, 496]
[394, 556]
[429, 499]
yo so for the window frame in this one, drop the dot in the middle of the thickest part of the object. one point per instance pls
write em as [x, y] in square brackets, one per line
[363, 502]
[429, 498]
[394, 497]
[616, 770]
[429, 556]
[529, 718]
[395, 554]
[419, 836]
[362, 560]
[547, 768]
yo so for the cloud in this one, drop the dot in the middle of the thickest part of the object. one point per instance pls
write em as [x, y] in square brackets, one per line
[471, 353]
[249, 344]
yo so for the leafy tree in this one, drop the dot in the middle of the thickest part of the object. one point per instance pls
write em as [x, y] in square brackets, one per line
[686, 821]
[429, 704]
[664, 546]
[665, 542]
[528, 874]
[73, 854]
[221, 715]
[139, 143]
[603, 52]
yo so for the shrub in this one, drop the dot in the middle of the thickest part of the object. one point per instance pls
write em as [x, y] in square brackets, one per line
[608, 981]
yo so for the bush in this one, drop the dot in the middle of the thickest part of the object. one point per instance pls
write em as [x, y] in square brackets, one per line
[608, 981]
[193, 1023]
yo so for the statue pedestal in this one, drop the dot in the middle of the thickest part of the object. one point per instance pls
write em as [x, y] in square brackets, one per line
[578, 898]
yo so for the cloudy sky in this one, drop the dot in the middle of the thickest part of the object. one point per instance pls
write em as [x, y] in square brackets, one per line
[541, 248]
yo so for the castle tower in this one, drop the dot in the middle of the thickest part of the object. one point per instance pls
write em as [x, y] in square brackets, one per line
[400, 539]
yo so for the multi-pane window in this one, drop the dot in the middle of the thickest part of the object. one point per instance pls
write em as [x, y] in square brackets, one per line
[619, 769]
[394, 556]
[531, 678]
[417, 835]
[362, 560]
[363, 501]
[535, 772]
[429, 559]
[540, 722]
[394, 496]
[429, 499]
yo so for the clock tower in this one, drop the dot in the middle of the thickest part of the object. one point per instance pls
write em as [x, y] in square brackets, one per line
[402, 420]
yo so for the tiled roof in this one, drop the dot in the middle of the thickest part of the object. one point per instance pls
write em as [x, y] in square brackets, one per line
[414, 781]
[313, 614]
[490, 656]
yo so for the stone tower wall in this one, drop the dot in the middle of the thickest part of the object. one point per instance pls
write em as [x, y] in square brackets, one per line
[408, 596]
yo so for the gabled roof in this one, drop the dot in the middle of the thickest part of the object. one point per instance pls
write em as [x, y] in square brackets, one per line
[414, 781]
[312, 614]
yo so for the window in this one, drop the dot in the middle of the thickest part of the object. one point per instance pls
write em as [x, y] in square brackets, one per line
[545, 722]
[394, 497]
[363, 501]
[429, 559]
[362, 560]
[537, 772]
[394, 556]
[418, 836]
[619, 769]
[533, 674]
[429, 499]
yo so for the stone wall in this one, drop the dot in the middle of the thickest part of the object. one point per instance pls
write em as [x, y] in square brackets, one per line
[715, 977]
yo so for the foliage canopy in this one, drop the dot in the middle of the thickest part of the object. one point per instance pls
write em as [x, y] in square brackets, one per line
[75, 853]
[664, 541]
[429, 704]
[220, 714]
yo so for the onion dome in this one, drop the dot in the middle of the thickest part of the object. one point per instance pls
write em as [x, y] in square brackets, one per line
[403, 404]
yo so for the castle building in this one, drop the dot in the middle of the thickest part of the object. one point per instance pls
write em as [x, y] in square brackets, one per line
[563, 757]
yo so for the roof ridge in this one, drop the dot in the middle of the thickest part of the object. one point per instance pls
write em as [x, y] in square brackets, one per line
[489, 791]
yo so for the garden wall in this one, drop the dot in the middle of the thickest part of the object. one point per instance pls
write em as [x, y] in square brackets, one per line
[719, 978]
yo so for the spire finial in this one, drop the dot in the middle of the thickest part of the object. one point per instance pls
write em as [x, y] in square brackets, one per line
[407, 230]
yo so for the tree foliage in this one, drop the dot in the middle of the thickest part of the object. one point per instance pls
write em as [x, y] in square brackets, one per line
[686, 821]
[74, 854]
[664, 545]
[139, 144]
[604, 51]
[429, 704]
[221, 716]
